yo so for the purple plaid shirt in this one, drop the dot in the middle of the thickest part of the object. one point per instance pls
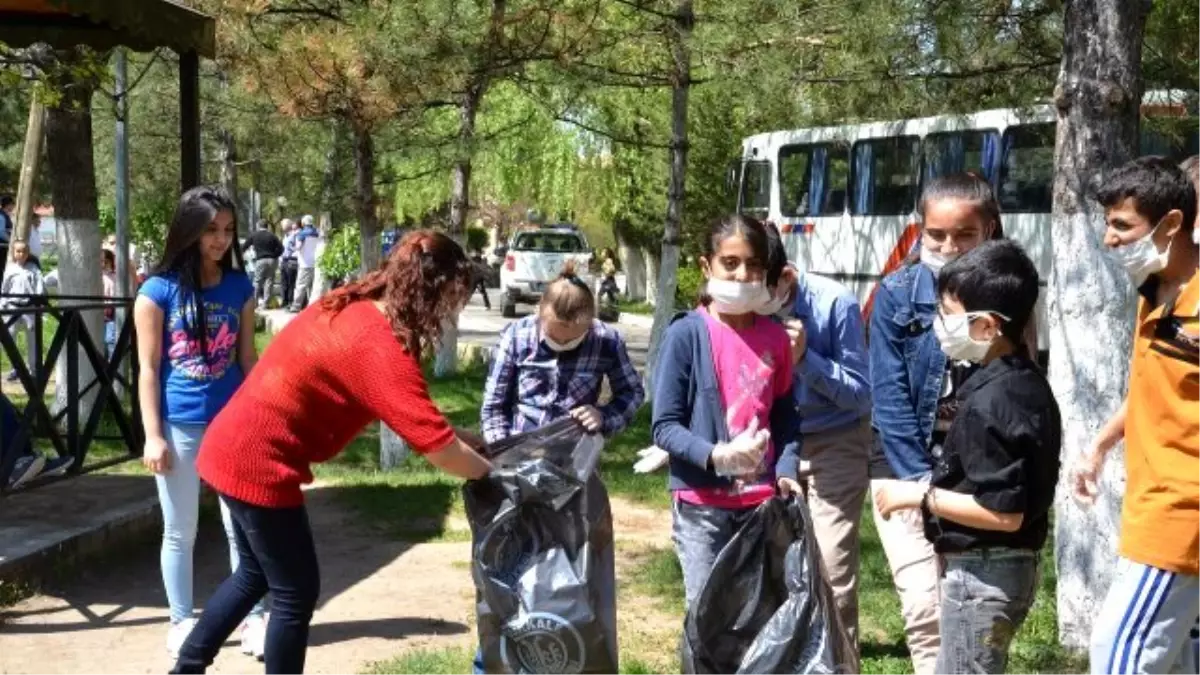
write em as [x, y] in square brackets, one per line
[530, 385]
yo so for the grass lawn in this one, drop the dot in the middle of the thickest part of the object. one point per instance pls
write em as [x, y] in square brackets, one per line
[649, 574]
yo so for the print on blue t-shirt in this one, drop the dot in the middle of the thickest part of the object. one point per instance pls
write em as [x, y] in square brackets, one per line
[193, 390]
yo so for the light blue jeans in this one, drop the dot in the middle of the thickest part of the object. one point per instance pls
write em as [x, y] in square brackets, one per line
[179, 497]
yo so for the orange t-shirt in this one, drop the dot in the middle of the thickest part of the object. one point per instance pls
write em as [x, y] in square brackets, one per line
[1160, 519]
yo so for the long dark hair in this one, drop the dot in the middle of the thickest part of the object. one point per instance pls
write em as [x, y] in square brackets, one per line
[182, 258]
[752, 230]
[425, 276]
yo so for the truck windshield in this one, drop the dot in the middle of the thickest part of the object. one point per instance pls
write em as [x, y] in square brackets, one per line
[557, 242]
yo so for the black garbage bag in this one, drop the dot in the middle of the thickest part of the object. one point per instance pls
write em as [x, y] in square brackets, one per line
[767, 606]
[543, 555]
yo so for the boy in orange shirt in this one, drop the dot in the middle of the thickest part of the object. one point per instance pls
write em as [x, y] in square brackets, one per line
[1152, 605]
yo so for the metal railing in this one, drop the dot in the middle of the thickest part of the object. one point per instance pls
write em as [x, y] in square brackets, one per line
[68, 434]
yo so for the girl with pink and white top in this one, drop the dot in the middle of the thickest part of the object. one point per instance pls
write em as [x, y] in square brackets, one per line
[723, 409]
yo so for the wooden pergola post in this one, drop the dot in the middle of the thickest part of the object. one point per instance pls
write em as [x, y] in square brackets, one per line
[189, 120]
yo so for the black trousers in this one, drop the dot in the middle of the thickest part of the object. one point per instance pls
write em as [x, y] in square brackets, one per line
[288, 268]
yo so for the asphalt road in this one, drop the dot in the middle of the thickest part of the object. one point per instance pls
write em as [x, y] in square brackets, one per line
[482, 326]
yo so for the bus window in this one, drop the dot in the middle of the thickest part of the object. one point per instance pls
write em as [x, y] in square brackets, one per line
[795, 177]
[1027, 168]
[837, 178]
[884, 176]
[812, 179]
[756, 189]
[977, 151]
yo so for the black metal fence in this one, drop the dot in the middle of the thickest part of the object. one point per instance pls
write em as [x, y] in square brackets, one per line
[68, 434]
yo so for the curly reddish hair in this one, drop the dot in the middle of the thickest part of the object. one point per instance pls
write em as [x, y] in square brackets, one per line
[423, 282]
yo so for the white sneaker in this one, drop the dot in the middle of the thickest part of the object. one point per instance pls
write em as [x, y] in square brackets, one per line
[178, 634]
[254, 636]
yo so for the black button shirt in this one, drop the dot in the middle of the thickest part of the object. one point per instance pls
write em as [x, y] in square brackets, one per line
[1003, 448]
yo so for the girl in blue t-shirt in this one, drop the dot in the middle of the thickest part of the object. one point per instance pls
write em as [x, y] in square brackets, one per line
[187, 376]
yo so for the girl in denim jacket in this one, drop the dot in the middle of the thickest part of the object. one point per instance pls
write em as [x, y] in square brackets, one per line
[913, 387]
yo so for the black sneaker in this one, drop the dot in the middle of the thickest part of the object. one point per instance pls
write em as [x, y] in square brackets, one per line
[26, 469]
[58, 466]
[11, 376]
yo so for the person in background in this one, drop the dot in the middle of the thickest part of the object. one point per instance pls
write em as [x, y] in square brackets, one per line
[986, 509]
[723, 406]
[8, 221]
[914, 389]
[306, 244]
[267, 250]
[195, 339]
[480, 270]
[608, 268]
[1152, 604]
[552, 364]
[288, 265]
[21, 277]
[833, 399]
[355, 355]
[108, 277]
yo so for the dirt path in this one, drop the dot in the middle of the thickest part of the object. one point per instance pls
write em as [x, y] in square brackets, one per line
[379, 598]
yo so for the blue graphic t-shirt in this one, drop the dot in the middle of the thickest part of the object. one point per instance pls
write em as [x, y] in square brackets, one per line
[193, 390]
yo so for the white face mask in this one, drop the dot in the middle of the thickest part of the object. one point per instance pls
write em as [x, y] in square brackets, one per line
[954, 334]
[776, 306]
[736, 297]
[556, 346]
[1141, 258]
[935, 261]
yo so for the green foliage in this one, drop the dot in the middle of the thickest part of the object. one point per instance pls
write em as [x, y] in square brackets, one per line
[689, 281]
[149, 221]
[343, 255]
[477, 239]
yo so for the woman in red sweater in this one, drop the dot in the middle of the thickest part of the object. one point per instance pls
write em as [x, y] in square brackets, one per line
[351, 358]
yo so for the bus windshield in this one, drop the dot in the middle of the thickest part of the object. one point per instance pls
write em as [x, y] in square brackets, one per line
[755, 198]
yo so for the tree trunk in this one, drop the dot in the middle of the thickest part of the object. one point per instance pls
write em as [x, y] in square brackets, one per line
[1090, 300]
[31, 160]
[669, 260]
[493, 44]
[364, 199]
[229, 169]
[633, 264]
[73, 183]
[653, 266]
[329, 178]
[447, 353]
[392, 448]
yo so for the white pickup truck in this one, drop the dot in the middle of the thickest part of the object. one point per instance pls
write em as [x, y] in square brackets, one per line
[534, 258]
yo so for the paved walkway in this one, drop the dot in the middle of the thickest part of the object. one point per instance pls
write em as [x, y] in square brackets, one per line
[379, 598]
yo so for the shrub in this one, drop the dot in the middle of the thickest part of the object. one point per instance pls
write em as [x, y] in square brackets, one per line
[687, 288]
[343, 253]
[477, 239]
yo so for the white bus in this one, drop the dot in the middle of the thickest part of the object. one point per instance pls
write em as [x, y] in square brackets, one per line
[844, 197]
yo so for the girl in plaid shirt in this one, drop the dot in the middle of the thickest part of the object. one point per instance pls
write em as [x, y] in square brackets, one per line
[551, 364]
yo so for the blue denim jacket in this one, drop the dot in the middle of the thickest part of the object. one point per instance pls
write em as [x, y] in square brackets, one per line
[907, 368]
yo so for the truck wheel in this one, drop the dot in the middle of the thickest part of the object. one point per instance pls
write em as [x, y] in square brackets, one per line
[508, 309]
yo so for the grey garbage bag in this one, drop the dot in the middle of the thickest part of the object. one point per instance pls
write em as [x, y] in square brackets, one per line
[543, 555]
[767, 607]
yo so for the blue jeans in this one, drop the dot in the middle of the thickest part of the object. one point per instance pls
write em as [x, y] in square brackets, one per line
[277, 553]
[986, 595]
[179, 498]
[700, 532]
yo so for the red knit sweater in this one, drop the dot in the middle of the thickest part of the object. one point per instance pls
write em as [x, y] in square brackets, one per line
[320, 382]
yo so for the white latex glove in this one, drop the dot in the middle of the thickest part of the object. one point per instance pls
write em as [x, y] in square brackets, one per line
[651, 459]
[743, 455]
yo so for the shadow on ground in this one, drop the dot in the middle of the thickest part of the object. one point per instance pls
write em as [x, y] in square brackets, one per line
[113, 589]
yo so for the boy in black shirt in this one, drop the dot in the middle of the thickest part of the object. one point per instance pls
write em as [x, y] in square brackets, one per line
[986, 508]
